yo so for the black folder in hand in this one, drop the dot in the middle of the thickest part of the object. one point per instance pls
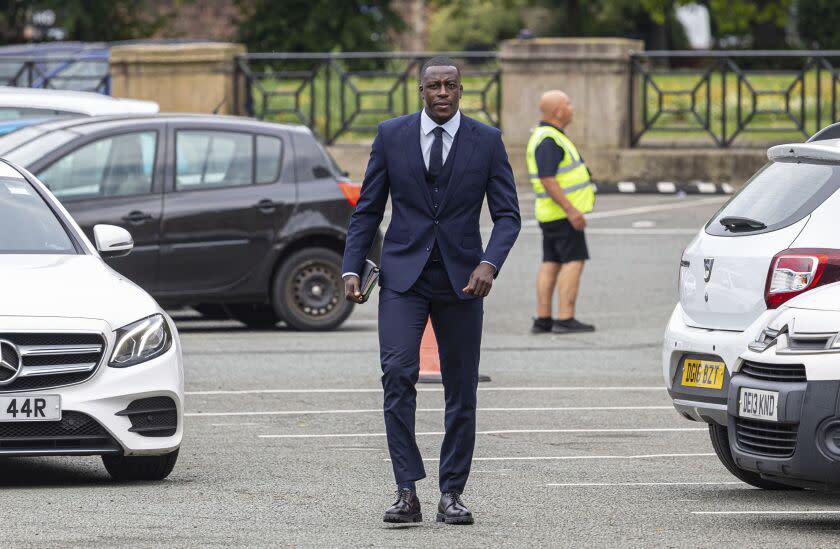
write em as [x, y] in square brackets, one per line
[370, 275]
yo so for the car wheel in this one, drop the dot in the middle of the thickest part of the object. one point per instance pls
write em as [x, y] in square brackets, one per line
[140, 467]
[212, 311]
[720, 442]
[254, 316]
[308, 290]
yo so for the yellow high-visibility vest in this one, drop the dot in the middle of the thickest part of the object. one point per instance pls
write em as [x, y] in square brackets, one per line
[572, 176]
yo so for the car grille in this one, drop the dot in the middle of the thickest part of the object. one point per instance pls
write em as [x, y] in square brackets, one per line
[774, 372]
[76, 433]
[765, 439]
[50, 359]
[152, 417]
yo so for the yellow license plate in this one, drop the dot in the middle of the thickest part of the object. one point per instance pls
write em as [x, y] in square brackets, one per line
[707, 374]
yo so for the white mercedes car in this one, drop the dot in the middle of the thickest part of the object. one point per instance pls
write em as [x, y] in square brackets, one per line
[773, 241]
[89, 363]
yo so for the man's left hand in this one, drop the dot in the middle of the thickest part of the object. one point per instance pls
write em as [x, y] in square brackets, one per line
[481, 280]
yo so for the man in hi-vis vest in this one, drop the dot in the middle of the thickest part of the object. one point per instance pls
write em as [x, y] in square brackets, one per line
[564, 193]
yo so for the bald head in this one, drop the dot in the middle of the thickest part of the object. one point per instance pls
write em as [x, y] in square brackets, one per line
[556, 108]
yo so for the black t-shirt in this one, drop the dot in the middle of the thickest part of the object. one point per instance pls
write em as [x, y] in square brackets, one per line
[549, 155]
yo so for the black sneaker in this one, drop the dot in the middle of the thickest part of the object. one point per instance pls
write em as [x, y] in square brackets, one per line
[541, 326]
[571, 326]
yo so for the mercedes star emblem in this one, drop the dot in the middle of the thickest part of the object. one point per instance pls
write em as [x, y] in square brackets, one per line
[10, 361]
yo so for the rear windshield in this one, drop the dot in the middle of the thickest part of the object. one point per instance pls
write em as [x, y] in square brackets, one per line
[780, 194]
[27, 224]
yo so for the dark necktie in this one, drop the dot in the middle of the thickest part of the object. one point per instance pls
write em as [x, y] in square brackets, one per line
[436, 154]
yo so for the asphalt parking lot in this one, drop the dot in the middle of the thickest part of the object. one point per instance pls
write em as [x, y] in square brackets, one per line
[578, 444]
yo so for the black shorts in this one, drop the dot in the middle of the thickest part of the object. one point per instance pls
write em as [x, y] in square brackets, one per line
[562, 243]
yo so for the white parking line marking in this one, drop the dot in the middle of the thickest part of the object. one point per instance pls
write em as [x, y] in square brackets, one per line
[419, 390]
[504, 432]
[625, 231]
[672, 205]
[570, 458]
[598, 484]
[379, 411]
[805, 512]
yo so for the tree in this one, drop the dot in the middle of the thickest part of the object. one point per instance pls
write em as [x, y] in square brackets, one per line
[760, 23]
[650, 20]
[13, 20]
[818, 21]
[460, 25]
[317, 25]
[96, 20]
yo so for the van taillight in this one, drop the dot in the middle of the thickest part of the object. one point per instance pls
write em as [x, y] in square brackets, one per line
[798, 270]
[351, 191]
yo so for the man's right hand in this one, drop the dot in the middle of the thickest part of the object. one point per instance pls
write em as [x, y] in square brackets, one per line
[576, 219]
[352, 289]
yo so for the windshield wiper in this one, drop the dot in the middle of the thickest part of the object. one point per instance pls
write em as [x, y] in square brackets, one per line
[736, 224]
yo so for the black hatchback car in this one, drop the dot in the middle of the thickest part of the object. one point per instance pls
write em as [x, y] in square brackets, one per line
[229, 215]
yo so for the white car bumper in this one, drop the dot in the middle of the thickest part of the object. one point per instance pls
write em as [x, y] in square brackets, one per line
[112, 390]
[682, 340]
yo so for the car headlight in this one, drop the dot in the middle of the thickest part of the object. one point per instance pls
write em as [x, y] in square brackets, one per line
[141, 341]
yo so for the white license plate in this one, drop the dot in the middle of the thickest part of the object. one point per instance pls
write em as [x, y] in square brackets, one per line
[30, 408]
[758, 404]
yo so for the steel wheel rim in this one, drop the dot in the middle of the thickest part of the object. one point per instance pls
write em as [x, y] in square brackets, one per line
[314, 290]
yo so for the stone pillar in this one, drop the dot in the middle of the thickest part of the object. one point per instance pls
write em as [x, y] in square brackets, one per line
[196, 77]
[595, 72]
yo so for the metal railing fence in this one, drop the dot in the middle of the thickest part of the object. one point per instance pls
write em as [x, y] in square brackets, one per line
[715, 98]
[346, 95]
[70, 73]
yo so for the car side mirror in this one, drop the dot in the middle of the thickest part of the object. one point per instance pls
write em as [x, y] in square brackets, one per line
[112, 241]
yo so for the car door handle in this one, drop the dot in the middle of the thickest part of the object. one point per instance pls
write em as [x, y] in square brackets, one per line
[266, 206]
[137, 217]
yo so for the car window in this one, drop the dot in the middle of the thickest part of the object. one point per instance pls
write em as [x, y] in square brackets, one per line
[27, 224]
[210, 159]
[312, 161]
[779, 195]
[119, 165]
[269, 153]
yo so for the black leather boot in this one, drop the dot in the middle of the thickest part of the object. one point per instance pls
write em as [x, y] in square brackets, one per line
[452, 510]
[405, 509]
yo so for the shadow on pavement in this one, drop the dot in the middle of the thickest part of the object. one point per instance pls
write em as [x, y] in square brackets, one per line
[50, 472]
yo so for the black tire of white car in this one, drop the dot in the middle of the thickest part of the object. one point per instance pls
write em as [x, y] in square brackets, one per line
[308, 291]
[720, 442]
[126, 468]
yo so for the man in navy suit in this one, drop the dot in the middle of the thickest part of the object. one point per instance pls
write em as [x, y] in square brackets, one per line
[438, 166]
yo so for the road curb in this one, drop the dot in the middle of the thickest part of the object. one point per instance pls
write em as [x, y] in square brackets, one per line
[664, 187]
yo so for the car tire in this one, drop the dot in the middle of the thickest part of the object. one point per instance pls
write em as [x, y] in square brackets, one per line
[124, 468]
[720, 442]
[212, 311]
[258, 317]
[308, 291]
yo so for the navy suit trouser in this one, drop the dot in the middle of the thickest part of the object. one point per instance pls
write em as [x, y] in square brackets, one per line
[457, 324]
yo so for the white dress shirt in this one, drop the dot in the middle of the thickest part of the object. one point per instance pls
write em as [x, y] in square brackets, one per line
[427, 135]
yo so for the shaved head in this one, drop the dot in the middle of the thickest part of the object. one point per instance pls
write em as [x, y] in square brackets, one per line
[556, 107]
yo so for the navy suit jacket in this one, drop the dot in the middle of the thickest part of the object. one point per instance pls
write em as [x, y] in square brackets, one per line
[480, 169]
